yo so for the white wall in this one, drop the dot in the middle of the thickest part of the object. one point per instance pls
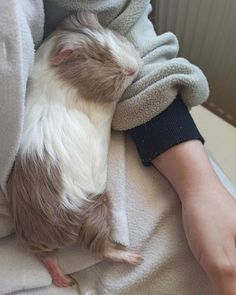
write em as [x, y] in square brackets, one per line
[206, 30]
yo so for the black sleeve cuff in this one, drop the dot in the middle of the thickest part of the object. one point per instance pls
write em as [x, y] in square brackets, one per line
[171, 127]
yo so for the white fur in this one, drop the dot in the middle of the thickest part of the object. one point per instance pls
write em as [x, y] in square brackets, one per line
[74, 132]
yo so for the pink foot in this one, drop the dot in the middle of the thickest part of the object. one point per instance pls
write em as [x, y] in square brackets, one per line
[122, 256]
[63, 281]
[58, 278]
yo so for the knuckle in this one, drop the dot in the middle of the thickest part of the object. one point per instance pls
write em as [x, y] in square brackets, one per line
[224, 268]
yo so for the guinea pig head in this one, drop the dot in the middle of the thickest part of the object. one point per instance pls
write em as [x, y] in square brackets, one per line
[99, 62]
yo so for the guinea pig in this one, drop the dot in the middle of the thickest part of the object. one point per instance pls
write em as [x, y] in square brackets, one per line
[57, 186]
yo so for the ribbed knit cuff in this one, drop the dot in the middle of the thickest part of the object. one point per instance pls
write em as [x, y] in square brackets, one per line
[173, 126]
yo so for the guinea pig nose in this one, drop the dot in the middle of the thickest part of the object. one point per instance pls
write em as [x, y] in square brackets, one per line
[130, 72]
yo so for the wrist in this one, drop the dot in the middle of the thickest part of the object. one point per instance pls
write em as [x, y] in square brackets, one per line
[188, 169]
[201, 190]
[199, 180]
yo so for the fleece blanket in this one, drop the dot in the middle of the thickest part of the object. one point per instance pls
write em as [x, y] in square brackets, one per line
[22, 270]
[155, 230]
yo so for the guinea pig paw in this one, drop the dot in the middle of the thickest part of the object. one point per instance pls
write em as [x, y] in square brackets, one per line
[123, 256]
[63, 281]
[132, 258]
[58, 278]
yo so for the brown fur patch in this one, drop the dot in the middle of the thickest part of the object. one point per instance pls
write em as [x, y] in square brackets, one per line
[95, 227]
[34, 193]
[94, 73]
[91, 68]
[40, 219]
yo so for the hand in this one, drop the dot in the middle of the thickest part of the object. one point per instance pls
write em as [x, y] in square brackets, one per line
[209, 219]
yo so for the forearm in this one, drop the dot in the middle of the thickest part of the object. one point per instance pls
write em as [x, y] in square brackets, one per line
[173, 144]
[188, 169]
[208, 211]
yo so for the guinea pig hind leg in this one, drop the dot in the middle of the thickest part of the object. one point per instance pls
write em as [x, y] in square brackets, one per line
[58, 278]
[122, 256]
[96, 234]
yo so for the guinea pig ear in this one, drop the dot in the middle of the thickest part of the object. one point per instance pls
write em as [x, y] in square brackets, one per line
[62, 55]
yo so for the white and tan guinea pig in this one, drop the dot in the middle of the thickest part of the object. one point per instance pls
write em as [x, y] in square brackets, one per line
[57, 185]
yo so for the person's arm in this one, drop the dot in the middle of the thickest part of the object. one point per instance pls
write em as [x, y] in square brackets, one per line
[208, 211]
[173, 144]
[173, 126]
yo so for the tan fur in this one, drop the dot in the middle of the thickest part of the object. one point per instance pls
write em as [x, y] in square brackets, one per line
[96, 78]
[41, 221]
[34, 193]
[95, 227]
[91, 68]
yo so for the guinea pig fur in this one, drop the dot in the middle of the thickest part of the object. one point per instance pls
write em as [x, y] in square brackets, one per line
[56, 189]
